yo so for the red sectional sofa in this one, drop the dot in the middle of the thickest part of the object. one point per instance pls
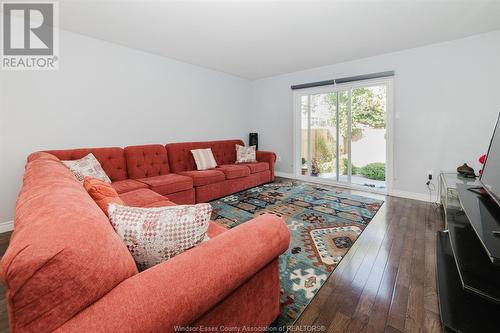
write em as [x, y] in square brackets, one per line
[171, 171]
[66, 270]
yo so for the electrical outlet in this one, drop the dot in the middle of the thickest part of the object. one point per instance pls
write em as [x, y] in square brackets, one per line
[430, 174]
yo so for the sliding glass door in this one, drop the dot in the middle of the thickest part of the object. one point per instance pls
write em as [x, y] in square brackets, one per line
[318, 135]
[341, 134]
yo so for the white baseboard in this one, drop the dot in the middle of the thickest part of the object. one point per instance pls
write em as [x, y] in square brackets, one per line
[396, 193]
[6, 226]
[415, 196]
[284, 175]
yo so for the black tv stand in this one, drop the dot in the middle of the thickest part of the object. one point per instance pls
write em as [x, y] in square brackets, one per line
[468, 265]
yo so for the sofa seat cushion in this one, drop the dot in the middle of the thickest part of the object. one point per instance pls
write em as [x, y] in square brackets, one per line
[233, 171]
[204, 177]
[170, 183]
[257, 167]
[142, 197]
[127, 185]
[163, 203]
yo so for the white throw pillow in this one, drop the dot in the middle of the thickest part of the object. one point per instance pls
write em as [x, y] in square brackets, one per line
[154, 235]
[87, 166]
[204, 159]
[245, 154]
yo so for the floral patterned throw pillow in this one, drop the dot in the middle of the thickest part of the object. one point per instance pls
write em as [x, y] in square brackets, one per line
[87, 166]
[245, 154]
[154, 235]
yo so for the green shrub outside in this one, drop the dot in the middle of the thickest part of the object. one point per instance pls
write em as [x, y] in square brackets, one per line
[374, 171]
[355, 169]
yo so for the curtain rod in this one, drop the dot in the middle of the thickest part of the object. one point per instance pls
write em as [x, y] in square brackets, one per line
[343, 80]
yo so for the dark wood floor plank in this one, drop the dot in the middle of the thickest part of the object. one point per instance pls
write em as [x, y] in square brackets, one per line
[341, 322]
[390, 329]
[415, 311]
[432, 322]
[397, 311]
[391, 246]
[430, 282]
[4, 242]
[380, 310]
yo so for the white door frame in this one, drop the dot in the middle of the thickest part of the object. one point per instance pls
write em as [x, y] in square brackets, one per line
[389, 125]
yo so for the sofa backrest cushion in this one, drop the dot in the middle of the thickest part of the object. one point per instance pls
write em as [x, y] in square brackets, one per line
[181, 159]
[63, 254]
[146, 161]
[112, 159]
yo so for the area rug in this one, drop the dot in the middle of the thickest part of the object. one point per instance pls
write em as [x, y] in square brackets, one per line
[324, 223]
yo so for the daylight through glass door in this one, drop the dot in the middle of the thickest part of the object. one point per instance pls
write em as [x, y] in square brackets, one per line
[343, 135]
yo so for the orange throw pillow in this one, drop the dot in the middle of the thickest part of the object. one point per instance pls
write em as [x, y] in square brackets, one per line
[102, 193]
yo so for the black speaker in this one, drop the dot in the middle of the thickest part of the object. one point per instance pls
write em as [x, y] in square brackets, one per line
[253, 140]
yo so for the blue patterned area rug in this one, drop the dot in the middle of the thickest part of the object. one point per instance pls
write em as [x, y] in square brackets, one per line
[323, 221]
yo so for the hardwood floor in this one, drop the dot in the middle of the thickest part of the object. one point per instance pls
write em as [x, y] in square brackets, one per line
[385, 283]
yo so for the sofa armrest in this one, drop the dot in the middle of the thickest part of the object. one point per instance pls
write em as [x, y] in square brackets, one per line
[40, 154]
[180, 290]
[269, 157]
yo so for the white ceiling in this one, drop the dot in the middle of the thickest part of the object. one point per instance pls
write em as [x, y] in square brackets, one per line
[256, 39]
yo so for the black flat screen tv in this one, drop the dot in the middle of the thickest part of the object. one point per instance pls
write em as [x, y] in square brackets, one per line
[490, 178]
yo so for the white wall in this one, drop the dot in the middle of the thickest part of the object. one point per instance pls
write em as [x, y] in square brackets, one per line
[107, 95]
[446, 97]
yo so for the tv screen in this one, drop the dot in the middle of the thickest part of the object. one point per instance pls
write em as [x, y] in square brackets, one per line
[490, 177]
